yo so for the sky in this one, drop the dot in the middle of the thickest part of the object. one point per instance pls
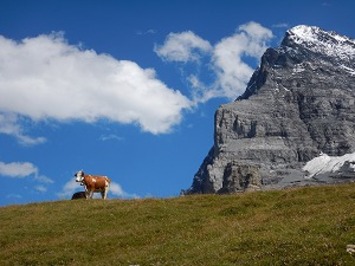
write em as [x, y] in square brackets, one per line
[128, 89]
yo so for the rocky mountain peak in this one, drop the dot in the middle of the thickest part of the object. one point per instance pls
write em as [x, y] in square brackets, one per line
[304, 46]
[319, 41]
[298, 104]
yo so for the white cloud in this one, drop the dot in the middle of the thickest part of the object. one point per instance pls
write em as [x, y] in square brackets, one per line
[10, 125]
[17, 169]
[24, 170]
[182, 47]
[257, 36]
[40, 188]
[43, 179]
[116, 189]
[227, 59]
[46, 78]
[69, 188]
[111, 137]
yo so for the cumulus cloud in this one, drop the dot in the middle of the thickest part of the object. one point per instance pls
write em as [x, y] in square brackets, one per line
[116, 190]
[233, 72]
[182, 47]
[227, 59]
[69, 188]
[17, 169]
[24, 170]
[46, 78]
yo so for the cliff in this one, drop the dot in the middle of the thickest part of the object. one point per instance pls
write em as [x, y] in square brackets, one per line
[298, 104]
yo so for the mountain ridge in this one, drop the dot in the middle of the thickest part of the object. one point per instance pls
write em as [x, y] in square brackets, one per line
[318, 40]
[298, 104]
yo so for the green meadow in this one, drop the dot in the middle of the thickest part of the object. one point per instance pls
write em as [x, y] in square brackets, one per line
[303, 226]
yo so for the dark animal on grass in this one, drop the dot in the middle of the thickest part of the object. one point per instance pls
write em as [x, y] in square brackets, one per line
[79, 195]
[93, 183]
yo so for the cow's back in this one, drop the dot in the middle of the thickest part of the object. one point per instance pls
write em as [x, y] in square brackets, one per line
[96, 183]
[101, 182]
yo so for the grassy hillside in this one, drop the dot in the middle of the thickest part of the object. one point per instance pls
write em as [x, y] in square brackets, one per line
[305, 226]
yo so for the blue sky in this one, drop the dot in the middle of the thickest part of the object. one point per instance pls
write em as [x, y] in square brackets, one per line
[128, 89]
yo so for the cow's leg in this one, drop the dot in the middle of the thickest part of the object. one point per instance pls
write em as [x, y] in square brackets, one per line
[104, 193]
[87, 194]
[91, 194]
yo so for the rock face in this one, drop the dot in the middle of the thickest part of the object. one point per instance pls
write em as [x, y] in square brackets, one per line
[299, 103]
[239, 178]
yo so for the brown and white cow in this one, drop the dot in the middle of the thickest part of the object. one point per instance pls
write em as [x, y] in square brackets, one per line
[93, 183]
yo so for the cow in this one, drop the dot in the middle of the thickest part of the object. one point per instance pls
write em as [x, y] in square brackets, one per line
[93, 183]
[79, 195]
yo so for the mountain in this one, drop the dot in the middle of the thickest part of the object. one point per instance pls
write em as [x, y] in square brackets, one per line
[299, 106]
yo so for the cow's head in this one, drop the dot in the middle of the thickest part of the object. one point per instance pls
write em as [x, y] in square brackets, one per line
[79, 176]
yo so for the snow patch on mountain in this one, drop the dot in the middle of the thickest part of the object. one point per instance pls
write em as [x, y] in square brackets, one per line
[318, 40]
[328, 164]
[348, 69]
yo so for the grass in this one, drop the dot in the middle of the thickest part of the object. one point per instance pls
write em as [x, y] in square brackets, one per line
[304, 226]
